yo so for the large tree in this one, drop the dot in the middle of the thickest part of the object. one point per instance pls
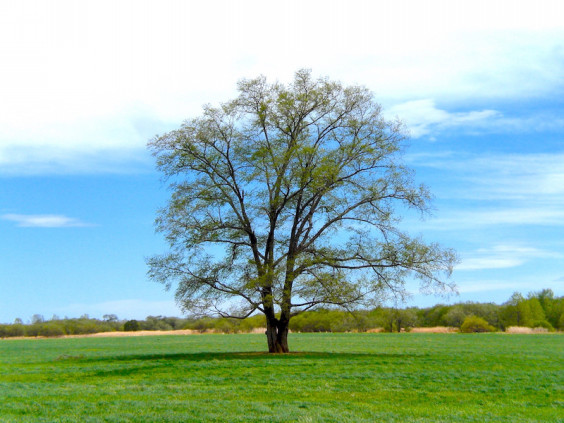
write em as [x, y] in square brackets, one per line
[287, 198]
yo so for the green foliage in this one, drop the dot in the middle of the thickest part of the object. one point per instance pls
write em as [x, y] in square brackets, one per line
[473, 324]
[455, 316]
[457, 313]
[324, 320]
[433, 316]
[557, 310]
[110, 318]
[155, 323]
[553, 307]
[226, 326]
[37, 318]
[57, 327]
[311, 322]
[519, 311]
[13, 330]
[251, 323]
[395, 320]
[131, 326]
[17, 329]
[202, 324]
[332, 321]
[333, 378]
[542, 324]
[536, 311]
[261, 184]
[50, 329]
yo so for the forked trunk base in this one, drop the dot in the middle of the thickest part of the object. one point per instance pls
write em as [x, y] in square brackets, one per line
[277, 339]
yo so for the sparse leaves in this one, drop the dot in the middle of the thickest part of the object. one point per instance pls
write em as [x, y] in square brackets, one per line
[286, 197]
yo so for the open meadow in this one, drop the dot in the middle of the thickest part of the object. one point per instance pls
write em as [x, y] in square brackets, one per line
[330, 377]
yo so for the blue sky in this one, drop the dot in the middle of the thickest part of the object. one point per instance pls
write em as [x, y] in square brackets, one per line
[85, 85]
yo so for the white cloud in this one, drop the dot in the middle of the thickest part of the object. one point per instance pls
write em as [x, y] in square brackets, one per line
[523, 286]
[472, 286]
[43, 221]
[504, 189]
[502, 256]
[35, 160]
[464, 219]
[422, 117]
[537, 178]
[75, 76]
[479, 263]
[518, 176]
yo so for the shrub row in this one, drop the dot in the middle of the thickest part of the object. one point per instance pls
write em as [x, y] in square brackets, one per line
[538, 310]
[85, 325]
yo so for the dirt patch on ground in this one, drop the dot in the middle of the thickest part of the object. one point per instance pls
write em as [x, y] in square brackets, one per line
[115, 334]
[436, 329]
[522, 329]
[136, 333]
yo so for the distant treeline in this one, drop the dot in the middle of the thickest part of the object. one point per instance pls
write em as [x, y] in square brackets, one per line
[538, 310]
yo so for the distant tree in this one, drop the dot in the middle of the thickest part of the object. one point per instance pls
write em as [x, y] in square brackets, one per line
[455, 316]
[459, 312]
[557, 313]
[37, 318]
[155, 323]
[552, 306]
[396, 319]
[252, 322]
[546, 299]
[515, 312]
[110, 318]
[433, 316]
[536, 313]
[488, 311]
[288, 198]
[17, 329]
[519, 311]
[474, 324]
[131, 326]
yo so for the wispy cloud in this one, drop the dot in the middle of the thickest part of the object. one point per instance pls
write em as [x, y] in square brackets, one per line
[473, 286]
[422, 117]
[510, 175]
[504, 189]
[518, 176]
[69, 86]
[43, 221]
[462, 218]
[524, 286]
[95, 144]
[57, 160]
[502, 256]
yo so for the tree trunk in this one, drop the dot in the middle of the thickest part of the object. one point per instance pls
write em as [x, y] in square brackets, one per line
[277, 337]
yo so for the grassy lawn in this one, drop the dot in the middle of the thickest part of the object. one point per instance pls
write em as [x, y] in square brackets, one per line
[332, 377]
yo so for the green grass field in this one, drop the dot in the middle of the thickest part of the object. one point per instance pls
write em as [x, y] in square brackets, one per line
[332, 377]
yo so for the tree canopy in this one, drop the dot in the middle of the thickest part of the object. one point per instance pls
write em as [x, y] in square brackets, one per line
[287, 198]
